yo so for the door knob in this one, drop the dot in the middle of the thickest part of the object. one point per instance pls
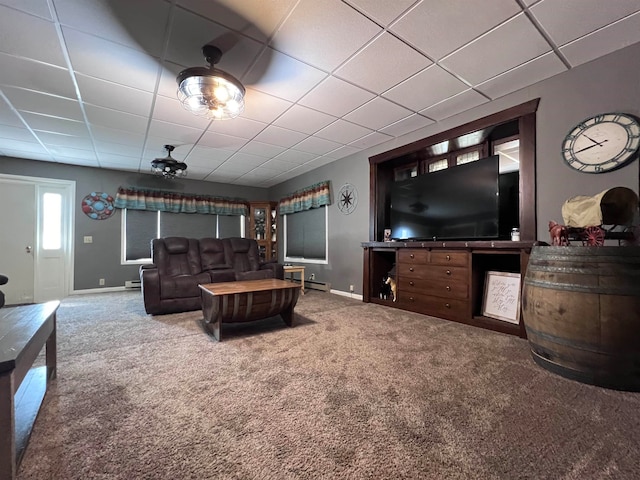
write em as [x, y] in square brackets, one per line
[27, 249]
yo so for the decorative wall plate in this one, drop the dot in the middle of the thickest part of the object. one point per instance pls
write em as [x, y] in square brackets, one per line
[347, 198]
[98, 205]
[602, 143]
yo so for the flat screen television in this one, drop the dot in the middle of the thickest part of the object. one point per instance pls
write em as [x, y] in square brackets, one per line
[465, 202]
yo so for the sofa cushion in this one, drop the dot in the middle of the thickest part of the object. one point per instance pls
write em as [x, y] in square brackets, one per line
[176, 256]
[258, 275]
[243, 254]
[182, 286]
[212, 254]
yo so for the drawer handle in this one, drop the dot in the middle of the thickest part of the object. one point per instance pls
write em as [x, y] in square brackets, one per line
[448, 272]
[448, 288]
[448, 305]
[411, 256]
[411, 299]
[411, 269]
[448, 257]
[411, 283]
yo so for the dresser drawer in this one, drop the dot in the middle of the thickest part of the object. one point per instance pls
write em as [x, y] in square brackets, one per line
[413, 256]
[460, 259]
[450, 308]
[448, 289]
[434, 272]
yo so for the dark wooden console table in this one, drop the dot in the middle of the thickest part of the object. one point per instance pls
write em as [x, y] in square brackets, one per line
[444, 279]
[24, 331]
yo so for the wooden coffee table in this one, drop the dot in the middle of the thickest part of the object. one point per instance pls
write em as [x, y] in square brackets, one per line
[245, 301]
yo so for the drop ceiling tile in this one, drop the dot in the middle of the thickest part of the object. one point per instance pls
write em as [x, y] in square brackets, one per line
[171, 110]
[426, 88]
[174, 133]
[34, 147]
[263, 149]
[566, 20]
[522, 76]
[262, 107]
[474, 65]
[26, 154]
[35, 102]
[233, 167]
[105, 134]
[378, 113]
[385, 62]
[17, 37]
[41, 77]
[219, 140]
[238, 127]
[280, 136]
[243, 161]
[382, 11]
[39, 8]
[343, 151]
[336, 97]
[62, 140]
[406, 125]
[220, 178]
[110, 148]
[371, 140]
[79, 161]
[122, 121]
[114, 160]
[336, 27]
[114, 96]
[207, 157]
[15, 133]
[295, 157]
[303, 119]
[115, 63]
[459, 103]
[57, 151]
[168, 86]
[439, 28]
[138, 24]
[343, 131]
[316, 145]
[255, 18]
[8, 116]
[282, 76]
[276, 165]
[190, 32]
[609, 39]
[54, 124]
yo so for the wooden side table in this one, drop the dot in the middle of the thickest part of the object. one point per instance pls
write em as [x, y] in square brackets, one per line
[291, 269]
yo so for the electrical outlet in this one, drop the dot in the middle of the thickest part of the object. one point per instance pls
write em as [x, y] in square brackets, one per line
[101, 282]
[351, 288]
[88, 239]
[312, 276]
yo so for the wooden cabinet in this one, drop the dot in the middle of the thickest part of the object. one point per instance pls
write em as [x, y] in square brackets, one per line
[263, 228]
[434, 282]
[443, 279]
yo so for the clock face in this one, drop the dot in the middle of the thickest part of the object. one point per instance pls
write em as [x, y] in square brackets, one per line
[347, 198]
[602, 143]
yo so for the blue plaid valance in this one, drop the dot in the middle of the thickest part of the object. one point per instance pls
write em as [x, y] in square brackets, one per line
[315, 196]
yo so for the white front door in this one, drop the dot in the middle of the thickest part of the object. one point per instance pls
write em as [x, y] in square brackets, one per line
[38, 238]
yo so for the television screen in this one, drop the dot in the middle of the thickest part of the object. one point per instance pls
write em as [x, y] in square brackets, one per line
[460, 202]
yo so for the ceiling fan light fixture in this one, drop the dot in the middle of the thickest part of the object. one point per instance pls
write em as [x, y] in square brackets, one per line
[210, 92]
[168, 167]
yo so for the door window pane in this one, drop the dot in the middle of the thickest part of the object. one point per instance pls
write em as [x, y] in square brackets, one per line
[51, 221]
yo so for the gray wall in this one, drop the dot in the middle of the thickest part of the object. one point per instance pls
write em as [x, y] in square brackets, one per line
[101, 259]
[608, 84]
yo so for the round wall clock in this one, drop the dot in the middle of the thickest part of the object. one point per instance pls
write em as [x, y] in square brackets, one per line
[347, 198]
[602, 143]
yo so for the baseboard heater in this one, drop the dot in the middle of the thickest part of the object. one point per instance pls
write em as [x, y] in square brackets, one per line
[313, 285]
[132, 284]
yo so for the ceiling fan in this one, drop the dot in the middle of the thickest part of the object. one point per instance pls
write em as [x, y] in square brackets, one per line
[168, 167]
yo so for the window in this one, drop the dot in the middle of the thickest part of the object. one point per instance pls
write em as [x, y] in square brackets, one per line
[51, 221]
[139, 227]
[467, 157]
[305, 236]
[438, 165]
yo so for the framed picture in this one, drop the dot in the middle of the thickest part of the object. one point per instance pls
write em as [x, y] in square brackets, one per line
[502, 296]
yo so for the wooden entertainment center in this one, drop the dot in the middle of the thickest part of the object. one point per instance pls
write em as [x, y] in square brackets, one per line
[443, 278]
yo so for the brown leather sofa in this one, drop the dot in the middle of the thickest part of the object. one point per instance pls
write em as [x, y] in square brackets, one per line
[180, 264]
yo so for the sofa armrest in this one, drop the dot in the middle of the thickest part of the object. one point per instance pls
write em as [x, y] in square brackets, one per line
[276, 268]
[150, 284]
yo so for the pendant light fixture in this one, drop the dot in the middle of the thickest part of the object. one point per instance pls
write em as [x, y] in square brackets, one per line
[209, 92]
[168, 167]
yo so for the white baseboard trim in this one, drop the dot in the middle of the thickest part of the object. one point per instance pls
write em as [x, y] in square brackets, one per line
[346, 294]
[99, 290]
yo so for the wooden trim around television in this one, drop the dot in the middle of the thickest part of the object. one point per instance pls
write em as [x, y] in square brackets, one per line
[382, 166]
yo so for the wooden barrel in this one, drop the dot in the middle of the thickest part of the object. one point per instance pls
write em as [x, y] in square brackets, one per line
[581, 310]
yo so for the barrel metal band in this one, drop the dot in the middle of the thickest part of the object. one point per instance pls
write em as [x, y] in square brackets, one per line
[630, 290]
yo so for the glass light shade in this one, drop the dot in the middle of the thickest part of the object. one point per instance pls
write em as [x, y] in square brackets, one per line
[211, 93]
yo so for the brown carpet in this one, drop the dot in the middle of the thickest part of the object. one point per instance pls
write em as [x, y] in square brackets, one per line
[353, 391]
